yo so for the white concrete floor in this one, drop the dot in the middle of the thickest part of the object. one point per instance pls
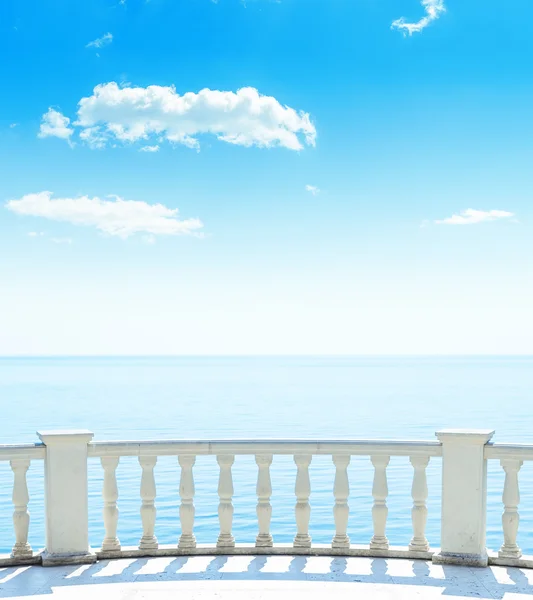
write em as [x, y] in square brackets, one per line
[265, 578]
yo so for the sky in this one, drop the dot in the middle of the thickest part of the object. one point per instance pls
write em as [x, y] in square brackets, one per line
[266, 177]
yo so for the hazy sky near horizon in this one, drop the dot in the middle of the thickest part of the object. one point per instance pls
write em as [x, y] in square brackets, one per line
[266, 177]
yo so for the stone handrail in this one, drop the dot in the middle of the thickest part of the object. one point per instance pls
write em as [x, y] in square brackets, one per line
[22, 451]
[509, 451]
[463, 519]
[251, 447]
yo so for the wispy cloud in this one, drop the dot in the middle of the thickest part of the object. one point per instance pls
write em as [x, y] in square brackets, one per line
[105, 40]
[55, 124]
[116, 217]
[312, 189]
[149, 148]
[433, 9]
[55, 240]
[138, 114]
[471, 216]
[13, 125]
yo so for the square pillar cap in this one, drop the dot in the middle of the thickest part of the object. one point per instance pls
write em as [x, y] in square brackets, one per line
[69, 436]
[465, 436]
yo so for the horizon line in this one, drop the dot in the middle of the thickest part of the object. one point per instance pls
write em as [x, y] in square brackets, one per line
[371, 355]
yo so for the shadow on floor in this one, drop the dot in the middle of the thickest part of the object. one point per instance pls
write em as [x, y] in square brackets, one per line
[492, 582]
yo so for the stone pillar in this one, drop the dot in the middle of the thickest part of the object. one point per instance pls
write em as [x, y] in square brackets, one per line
[464, 497]
[225, 506]
[302, 491]
[66, 497]
[21, 516]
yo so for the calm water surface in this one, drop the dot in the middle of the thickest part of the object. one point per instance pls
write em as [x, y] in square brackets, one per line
[165, 398]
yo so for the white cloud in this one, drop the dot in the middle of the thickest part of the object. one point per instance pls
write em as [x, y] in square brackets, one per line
[94, 137]
[13, 125]
[54, 124]
[471, 216]
[433, 8]
[149, 148]
[245, 117]
[116, 217]
[105, 40]
[35, 233]
[313, 189]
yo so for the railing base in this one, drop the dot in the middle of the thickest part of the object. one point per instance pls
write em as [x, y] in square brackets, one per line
[276, 550]
[53, 560]
[19, 561]
[524, 562]
[467, 560]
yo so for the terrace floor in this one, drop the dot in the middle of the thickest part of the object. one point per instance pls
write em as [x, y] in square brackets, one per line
[263, 577]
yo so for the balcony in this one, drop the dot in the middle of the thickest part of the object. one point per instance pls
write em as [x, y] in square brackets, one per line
[265, 567]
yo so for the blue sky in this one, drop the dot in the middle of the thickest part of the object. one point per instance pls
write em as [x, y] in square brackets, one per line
[395, 131]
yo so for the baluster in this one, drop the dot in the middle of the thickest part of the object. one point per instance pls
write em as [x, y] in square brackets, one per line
[148, 511]
[379, 511]
[187, 539]
[419, 512]
[264, 509]
[225, 507]
[302, 491]
[21, 516]
[110, 495]
[341, 510]
[510, 517]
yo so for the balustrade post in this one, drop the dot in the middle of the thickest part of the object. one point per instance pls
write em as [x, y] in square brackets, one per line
[419, 512]
[464, 497]
[380, 491]
[510, 517]
[21, 516]
[225, 507]
[110, 496]
[341, 510]
[264, 508]
[148, 511]
[302, 490]
[66, 497]
[187, 540]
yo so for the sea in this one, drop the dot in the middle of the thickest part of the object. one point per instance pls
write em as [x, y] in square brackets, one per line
[266, 397]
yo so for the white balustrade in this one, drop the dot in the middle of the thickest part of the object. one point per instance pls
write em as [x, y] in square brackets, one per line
[187, 540]
[419, 512]
[510, 517]
[110, 496]
[302, 490]
[464, 495]
[225, 507]
[21, 516]
[148, 510]
[264, 508]
[341, 510]
[380, 491]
